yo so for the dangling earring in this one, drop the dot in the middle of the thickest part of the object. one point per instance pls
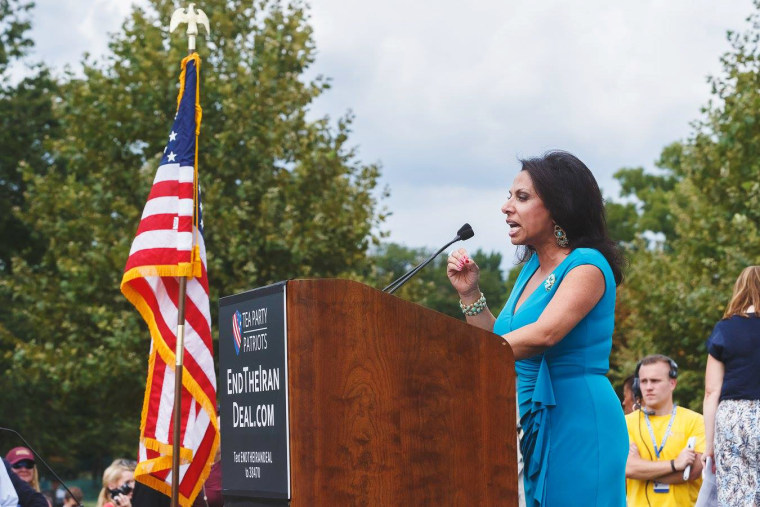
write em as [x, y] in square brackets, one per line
[560, 236]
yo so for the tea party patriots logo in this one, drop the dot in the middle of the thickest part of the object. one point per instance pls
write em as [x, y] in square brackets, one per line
[237, 330]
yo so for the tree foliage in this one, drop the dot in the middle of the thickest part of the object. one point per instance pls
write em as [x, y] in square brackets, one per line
[14, 25]
[653, 193]
[430, 287]
[26, 120]
[27, 123]
[707, 205]
[284, 196]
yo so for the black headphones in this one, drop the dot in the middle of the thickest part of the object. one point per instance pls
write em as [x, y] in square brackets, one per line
[636, 386]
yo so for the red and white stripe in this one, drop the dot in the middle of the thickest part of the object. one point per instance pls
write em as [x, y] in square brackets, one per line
[162, 251]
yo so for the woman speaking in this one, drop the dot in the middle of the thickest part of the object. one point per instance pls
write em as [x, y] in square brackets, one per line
[559, 321]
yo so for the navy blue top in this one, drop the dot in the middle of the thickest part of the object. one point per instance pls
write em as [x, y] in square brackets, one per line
[735, 342]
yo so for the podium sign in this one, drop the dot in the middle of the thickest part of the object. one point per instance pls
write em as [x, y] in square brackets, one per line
[253, 388]
[334, 393]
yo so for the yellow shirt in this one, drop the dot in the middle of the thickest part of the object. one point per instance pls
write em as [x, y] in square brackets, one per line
[686, 424]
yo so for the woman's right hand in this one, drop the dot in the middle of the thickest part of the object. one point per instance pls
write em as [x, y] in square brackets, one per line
[122, 501]
[463, 274]
[709, 453]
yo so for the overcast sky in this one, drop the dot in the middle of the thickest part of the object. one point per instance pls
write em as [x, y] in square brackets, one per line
[447, 95]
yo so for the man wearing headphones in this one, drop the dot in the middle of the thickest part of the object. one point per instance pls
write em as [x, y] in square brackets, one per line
[659, 433]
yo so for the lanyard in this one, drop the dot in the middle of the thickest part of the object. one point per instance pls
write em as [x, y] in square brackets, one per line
[657, 450]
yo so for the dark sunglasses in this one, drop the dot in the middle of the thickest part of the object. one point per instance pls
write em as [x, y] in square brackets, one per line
[125, 489]
[24, 463]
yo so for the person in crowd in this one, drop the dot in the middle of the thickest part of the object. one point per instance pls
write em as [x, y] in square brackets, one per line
[27, 496]
[628, 400]
[22, 462]
[211, 493]
[74, 498]
[732, 395]
[659, 434]
[145, 496]
[118, 484]
[559, 321]
[58, 492]
[8, 495]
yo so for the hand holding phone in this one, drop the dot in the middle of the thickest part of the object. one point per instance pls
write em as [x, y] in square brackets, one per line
[122, 501]
[689, 445]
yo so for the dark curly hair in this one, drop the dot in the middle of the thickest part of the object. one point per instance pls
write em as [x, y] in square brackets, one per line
[572, 196]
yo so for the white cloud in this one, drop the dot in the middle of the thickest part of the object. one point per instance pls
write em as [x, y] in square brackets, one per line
[447, 95]
[64, 30]
[433, 217]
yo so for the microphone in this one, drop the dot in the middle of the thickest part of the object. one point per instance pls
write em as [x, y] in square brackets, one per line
[689, 445]
[43, 462]
[465, 232]
[638, 406]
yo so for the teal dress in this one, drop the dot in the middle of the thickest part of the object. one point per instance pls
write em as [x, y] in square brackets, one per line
[575, 441]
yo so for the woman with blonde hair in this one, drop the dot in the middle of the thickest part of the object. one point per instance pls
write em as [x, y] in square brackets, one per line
[22, 462]
[118, 483]
[732, 395]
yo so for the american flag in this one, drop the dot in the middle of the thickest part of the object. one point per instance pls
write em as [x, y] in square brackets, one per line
[169, 244]
[237, 330]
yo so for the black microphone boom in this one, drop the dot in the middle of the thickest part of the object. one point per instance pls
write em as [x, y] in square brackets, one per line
[464, 232]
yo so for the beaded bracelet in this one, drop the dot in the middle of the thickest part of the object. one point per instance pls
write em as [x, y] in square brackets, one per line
[475, 308]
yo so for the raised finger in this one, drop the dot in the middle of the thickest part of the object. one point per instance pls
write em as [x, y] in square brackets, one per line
[459, 254]
[454, 264]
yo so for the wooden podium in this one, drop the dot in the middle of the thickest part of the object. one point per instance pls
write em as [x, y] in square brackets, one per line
[393, 404]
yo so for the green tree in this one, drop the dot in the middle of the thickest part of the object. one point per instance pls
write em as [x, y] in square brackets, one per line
[14, 25]
[430, 287]
[652, 194]
[284, 196]
[675, 292]
[640, 222]
[26, 120]
[622, 222]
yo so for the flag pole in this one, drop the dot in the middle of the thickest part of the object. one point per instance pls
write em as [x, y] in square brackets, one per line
[178, 364]
[192, 17]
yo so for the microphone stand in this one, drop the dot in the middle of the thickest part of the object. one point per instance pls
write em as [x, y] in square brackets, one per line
[396, 284]
[43, 462]
[465, 232]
